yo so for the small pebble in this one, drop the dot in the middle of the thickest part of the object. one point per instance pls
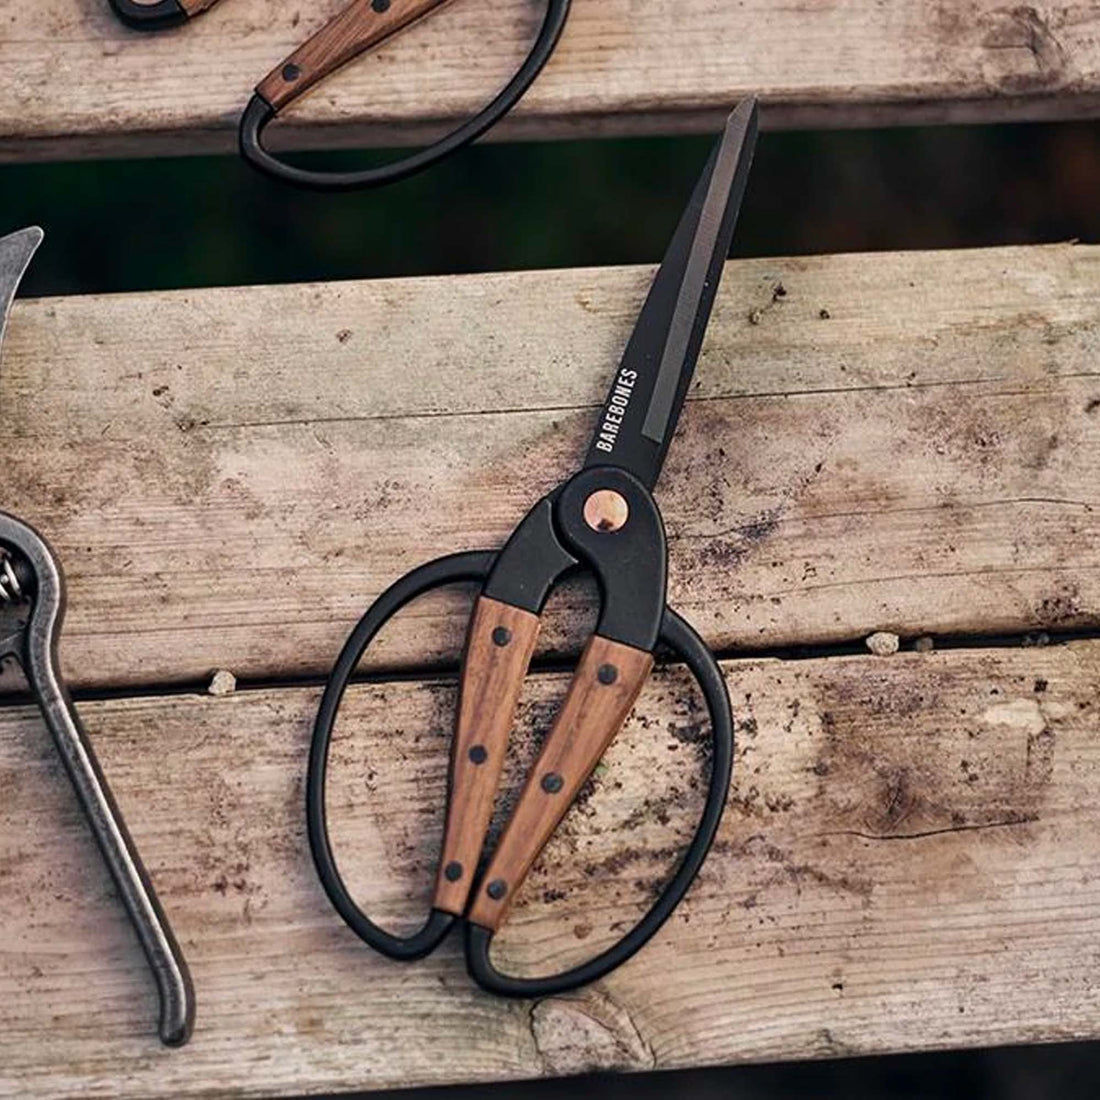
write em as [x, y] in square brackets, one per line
[223, 683]
[924, 645]
[882, 644]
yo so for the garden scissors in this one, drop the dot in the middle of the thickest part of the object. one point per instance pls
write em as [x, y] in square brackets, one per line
[362, 25]
[32, 607]
[603, 519]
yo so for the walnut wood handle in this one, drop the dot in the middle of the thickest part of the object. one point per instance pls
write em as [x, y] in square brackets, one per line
[607, 682]
[361, 25]
[498, 651]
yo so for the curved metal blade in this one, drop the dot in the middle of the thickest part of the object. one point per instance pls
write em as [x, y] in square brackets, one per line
[16, 250]
[644, 404]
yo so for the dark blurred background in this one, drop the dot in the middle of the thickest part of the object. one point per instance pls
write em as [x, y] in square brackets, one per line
[142, 225]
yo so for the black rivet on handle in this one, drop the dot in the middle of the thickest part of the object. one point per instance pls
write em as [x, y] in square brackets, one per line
[502, 636]
[607, 674]
[497, 889]
[453, 871]
[552, 783]
[380, 6]
[478, 754]
[291, 73]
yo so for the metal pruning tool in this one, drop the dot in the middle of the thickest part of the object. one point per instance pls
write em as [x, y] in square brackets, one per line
[32, 606]
[604, 520]
[362, 25]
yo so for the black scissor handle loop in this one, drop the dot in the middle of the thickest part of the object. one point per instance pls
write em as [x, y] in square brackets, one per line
[682, 639]
[259, 113]
[150, 17]
[474, 566]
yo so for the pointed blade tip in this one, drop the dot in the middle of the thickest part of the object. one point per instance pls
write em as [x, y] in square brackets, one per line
[33, 233]
[745, 117]
[16, 252]
[24, 243]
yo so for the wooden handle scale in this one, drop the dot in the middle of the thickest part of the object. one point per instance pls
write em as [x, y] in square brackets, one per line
[498, 651]
[361, 25]
[607, 682]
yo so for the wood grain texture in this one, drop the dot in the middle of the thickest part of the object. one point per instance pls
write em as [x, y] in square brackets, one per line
[491, 684]
[73, 82]
[594, 710]
[349, 33]
[196, 7]
[908, 862]
[923, 460]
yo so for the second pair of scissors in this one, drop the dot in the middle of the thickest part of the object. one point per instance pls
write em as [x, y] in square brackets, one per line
[360, 26]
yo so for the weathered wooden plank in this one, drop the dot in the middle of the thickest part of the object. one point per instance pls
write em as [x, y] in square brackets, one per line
[908, 862]
[231, 475]
[74, 82]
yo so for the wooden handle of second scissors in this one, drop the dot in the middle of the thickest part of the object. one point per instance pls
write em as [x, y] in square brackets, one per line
[361, 25]
[606, 684]
[194, 7]
[498, 651]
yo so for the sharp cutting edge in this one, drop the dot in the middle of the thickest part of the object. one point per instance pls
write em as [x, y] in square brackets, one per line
[660, 359]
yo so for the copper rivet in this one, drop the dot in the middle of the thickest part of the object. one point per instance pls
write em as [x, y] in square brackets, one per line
[453, 871]
[606, 510]
[497, 889]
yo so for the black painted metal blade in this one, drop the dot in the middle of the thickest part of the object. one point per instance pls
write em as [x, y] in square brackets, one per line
[640, 415]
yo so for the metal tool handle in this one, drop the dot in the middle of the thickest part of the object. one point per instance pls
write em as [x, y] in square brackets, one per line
[361, 25]
[177, 998]
[39, 659]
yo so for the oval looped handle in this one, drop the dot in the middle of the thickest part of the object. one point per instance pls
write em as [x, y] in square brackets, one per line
[454, 569]
[260, 111]
[682, 639]
[155, 16]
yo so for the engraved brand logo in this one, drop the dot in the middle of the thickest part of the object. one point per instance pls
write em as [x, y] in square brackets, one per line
[616, 410]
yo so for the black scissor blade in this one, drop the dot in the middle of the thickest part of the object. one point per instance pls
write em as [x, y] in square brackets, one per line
[640, 415]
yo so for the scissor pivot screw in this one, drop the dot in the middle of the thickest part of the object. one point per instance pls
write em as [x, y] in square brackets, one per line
[497, 889]
[453, 871]
[607, 674]
[478, 754]
[502, 636]
[606, 510]
[552, 783]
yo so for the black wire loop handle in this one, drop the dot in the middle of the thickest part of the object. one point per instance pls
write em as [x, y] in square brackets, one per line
[156, 16]
[260, 112]
[676, 634]
[454, 569]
